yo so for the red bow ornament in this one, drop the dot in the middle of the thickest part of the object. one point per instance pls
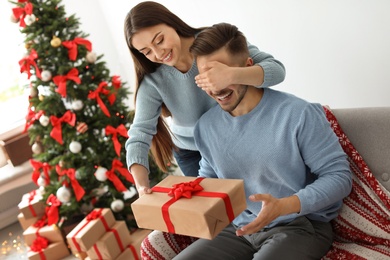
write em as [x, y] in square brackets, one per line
[101, 90]
[116, 82]
[72, 46]
[118, 166]
[21, 12]
[52, 210]
[31, 117]
[60, 80]
[56, 132]
[121, 130]
[71, 174]
[38, 166]
[26, 63]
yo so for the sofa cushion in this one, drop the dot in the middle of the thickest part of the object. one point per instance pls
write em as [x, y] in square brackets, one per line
[362, 228]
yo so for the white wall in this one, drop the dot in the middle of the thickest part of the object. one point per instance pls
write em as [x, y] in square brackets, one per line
[336, 52]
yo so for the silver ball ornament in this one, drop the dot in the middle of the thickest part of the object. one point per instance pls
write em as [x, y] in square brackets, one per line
[63, 194]
[46, 75]
[75, 147]
[44, 120]
[117, 205]
[100, 174]
[77, 105]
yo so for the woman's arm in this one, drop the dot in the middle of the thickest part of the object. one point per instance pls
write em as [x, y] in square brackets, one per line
[266, 72]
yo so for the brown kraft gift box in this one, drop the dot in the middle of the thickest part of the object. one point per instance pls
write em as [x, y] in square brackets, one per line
[51, 233]
[111, 244]
[90, 229]
[54, 251]
[26, 222]
[203, 215]
[31, 205]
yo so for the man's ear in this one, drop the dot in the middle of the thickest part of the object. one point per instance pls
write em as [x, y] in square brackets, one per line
[249, 62]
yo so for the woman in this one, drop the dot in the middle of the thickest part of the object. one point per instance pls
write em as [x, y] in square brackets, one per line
[168, 84]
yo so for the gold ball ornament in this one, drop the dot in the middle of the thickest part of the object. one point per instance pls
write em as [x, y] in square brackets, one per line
[55, 42]
[41, 97]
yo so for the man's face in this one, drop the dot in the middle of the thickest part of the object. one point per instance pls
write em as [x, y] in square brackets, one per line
[229, 97]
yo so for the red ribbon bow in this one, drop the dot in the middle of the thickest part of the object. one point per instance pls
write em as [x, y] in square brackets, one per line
[118, 166]
[56, 132]
[21, 12]
[95, 95]
[41, 222]
[94, 215]
[26, 63]
[60, 80]
[71, 174]
[187, 189]
[31, 117]
[39, 244]
[72, 46]
[52, 210]
[121, 130]
[116, 82]
[37, 165]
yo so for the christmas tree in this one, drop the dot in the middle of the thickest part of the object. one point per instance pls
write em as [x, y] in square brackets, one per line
[77, 120]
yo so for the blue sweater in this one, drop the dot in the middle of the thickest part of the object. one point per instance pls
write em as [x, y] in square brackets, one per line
[186, 102]
[284, 146]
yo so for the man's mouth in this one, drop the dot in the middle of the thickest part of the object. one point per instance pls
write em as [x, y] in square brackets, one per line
[223, 96]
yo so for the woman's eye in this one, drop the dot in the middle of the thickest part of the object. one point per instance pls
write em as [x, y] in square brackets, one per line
[160, 41]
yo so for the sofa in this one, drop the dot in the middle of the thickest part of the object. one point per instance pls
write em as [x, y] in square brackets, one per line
[362, 228]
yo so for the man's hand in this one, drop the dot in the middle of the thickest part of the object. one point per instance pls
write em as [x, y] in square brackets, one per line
[215, 76]
[272, 208]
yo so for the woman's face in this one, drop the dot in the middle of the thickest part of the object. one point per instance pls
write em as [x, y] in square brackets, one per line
[159, 43]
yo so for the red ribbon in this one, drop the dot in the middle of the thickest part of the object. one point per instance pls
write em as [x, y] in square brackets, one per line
[37, 165]
[116, 82]
[30, 198]
[187, 190]
[99, 255]
[38, 245]
[52, 210]
[21, 12]
[121, 130]
[56, 132]
[72, 46]
[71, 173]
[118, 166]
[26, 63]
[135, 255]
[95, 214]
[60, 80]
[118, 240]
[95, 95]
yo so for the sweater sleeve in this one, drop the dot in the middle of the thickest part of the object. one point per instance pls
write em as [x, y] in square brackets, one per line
[323, 155]
[274, 71]
[143, 128]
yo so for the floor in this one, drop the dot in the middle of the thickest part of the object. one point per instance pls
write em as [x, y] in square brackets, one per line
[12, 244]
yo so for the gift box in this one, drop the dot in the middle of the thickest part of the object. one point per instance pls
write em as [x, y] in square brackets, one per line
[52, 233]
[111, 244]
[53, 251]
[31, 205]
[26, 222]
[90, 229]
[198, 207]
[133, 250]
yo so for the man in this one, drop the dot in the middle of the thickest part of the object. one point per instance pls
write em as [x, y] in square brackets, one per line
[294, 169]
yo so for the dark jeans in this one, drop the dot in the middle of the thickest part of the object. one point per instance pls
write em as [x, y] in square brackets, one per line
[301, 239]
[188, 161]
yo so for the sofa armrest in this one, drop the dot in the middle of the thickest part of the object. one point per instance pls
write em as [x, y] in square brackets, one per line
[369, 131]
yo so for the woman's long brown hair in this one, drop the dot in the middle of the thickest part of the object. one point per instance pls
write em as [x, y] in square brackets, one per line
[147, 14]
